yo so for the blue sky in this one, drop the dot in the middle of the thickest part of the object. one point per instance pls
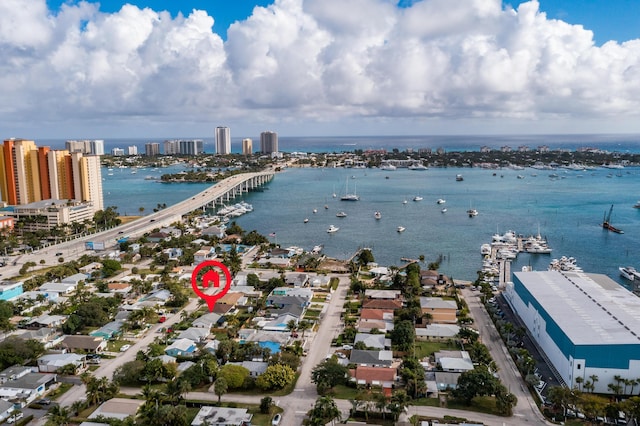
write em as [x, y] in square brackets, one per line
[609, 19]
[314, 67]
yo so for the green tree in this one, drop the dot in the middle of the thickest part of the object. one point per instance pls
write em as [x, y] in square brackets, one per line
[58, 416]
[329, 374]
[505, 400]
[220, 387]
[234, 375]
[365, 257]
[324, 411]
[476, 382]
[110, 267]
[403, 335]
[266, 404]
[276, 377]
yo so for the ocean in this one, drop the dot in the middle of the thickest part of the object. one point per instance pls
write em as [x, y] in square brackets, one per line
[568, 209]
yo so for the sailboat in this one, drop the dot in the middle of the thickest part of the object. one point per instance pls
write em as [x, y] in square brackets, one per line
[606, 223]
[347, 196]
[472, 212]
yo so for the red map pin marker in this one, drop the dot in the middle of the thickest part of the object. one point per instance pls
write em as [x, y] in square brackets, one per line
[210, 279]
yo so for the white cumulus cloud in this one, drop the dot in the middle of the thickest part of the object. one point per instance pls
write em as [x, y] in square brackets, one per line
[310, 63]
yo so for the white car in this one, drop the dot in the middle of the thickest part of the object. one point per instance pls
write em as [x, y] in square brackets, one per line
[15, 417]
[124, 348]
[276, 420]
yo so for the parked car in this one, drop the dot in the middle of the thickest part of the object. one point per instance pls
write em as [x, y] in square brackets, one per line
[124, 348]
[276, 420]
[15, 417]
[43, 401]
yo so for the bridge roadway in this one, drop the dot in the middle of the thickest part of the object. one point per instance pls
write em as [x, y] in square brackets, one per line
[219, 193]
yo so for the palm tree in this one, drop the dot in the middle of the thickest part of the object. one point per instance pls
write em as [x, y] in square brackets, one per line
[292, 326]
[594, 379]
[220, 387]
[579, 381]
[59, 415]
[304, 326]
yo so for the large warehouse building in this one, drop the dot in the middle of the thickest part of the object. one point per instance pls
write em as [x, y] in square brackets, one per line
[586, 324]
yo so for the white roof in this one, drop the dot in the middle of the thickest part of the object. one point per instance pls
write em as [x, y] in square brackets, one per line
[437, 303]
[438, 330]
[591, 309]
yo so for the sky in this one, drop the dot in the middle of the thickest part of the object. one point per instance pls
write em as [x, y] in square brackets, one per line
[153, 68]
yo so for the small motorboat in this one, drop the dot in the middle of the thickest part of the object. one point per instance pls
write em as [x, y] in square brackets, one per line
[401, 228]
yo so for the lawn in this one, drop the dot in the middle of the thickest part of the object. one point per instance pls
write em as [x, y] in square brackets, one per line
[424, 349]
[115, 345]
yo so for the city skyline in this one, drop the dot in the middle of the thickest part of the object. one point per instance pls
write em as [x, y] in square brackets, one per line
[388, 68]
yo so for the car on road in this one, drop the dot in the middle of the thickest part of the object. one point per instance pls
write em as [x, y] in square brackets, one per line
[43, 401]
[276, 420]
[124, 348]
[59, 253]
[15, 417]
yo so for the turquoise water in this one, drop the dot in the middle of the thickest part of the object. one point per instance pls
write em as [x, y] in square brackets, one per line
[568, 210]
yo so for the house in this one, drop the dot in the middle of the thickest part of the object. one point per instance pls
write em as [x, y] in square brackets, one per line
[45, 320]
[278, 324]
[120, 288]
[232, 299]
[13, 373]
[381, 304]
[91, 344]
[432, 279]
[384, 377]
[304, 293]
[374, 341]
[297, 280]
[74, 279]
[173, 253]
[185, 366]
[205, 253]
[157, 297]
[181, 347]
[437, 331]
[211, 346]
[256, 368]
[442, 311]
[445, 380]
[280, 262]
[109, 330]
[156, 237]
[382, 294]
[60, 288]
[6, 409]
[213, 231]
[207, 321]
[25, 389]
[10, 289]
[277, 301]
[376, 314]
[367, 326]
[221, 416]
[195, 334]
[167, 359]
[118, 408]
[38, 298]
[319, 281]
[51, 363]
[91, 267]
[49, 337]
[371, 358]
[454, 361]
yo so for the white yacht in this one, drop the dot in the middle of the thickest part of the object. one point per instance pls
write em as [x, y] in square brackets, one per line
[472, 212]
[485, 249]
[306, 220]
[441, 201]
[401, 228]
[418, 166]
[341, 214]
[444, 210]
[377, 215]
[332, 229]
[629, 272]
[388, 167]
[417, 198]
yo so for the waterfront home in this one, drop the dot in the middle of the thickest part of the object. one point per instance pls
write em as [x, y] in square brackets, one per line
[297, 280]
[51, 363]
[221, 416]
[430, 279]
[442, 311]
[79, 342]
[278, 262]
[213, 231]
[181, 347]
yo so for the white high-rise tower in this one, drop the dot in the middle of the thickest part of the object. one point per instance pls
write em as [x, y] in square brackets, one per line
[223, 140]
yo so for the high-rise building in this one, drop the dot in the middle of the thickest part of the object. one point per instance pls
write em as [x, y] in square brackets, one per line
[29, 173]
[247, 146]
[223, 140]
[93, 147]
[268, 142]
[151, 149]
[171, 147]
[191, 147]
[132, 150]
[117, 152]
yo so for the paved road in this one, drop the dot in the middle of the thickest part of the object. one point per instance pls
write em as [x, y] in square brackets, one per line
[526, 412]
